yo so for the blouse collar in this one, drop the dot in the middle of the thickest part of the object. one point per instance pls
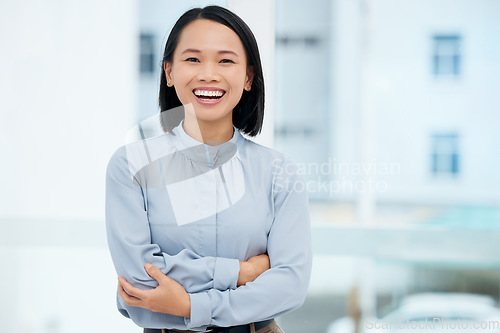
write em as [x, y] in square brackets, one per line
[202, 153]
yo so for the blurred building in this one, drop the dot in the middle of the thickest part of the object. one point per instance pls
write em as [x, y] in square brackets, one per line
[406, 87]
[391, 108]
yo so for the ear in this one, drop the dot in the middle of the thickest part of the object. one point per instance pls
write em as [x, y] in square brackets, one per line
[167, 67]
[249, 78]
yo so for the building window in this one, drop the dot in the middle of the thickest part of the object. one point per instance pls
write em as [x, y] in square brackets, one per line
[147, 54]
[290, 40]
[447, 57]
[445, 154]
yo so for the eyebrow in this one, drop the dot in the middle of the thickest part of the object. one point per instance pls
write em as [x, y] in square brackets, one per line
[219, 52]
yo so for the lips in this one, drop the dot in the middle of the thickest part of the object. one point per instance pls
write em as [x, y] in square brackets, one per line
[208, 94]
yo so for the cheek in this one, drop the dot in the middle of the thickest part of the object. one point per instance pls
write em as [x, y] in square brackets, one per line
[238, 78]
[180, 94]
[182, 73]
[181, 78]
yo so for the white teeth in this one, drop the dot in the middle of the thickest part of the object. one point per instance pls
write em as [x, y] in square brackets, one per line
[209, 93]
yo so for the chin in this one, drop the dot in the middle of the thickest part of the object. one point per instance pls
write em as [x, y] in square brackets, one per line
[210, 115]
[209, 119]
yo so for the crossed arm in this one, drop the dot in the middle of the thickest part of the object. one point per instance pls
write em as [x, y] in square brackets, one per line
[214, 291]
[130, 244]
[170, 297]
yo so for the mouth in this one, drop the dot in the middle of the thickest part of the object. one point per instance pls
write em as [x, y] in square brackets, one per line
[209, 94]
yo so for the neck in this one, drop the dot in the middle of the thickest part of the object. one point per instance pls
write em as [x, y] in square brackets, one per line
[212, 133]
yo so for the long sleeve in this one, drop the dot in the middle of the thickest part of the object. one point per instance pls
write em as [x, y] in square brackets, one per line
[129, 240]
[283, 287]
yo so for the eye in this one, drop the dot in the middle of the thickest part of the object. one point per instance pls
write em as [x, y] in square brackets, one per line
[227, 61]
[192, 59]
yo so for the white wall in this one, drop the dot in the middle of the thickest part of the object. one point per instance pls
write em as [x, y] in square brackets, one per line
[68, 96]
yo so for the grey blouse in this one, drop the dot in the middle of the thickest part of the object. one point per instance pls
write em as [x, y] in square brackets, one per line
[195, 211]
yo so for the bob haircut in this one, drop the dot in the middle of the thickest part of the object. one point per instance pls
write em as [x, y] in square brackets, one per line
[248, 114]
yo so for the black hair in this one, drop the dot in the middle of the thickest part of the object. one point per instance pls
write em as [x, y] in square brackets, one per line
[248, 114]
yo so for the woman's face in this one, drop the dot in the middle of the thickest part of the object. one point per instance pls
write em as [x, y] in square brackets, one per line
[209, 69]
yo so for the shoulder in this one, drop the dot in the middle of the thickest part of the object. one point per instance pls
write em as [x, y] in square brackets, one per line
[138, 154]
[271, 157]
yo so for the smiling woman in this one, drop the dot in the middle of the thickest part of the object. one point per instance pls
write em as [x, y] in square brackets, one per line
[209, 70]
[212, 43]
[205, 230]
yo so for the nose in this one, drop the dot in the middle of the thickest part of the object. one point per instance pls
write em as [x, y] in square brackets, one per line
[208, 72]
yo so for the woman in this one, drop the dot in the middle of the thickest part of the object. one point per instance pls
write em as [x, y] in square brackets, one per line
[207, 229]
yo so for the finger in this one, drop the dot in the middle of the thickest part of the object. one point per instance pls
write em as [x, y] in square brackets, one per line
[131, 290]
[129, 300]
[155, 273]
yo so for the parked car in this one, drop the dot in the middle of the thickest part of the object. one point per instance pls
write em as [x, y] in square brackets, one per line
[429, 313]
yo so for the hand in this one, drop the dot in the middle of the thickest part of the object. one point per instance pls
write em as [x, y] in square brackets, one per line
[169, 297]
[252, 268]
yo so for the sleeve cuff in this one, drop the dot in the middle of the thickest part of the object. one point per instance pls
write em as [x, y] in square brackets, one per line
[226, 273]
[201, 311]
